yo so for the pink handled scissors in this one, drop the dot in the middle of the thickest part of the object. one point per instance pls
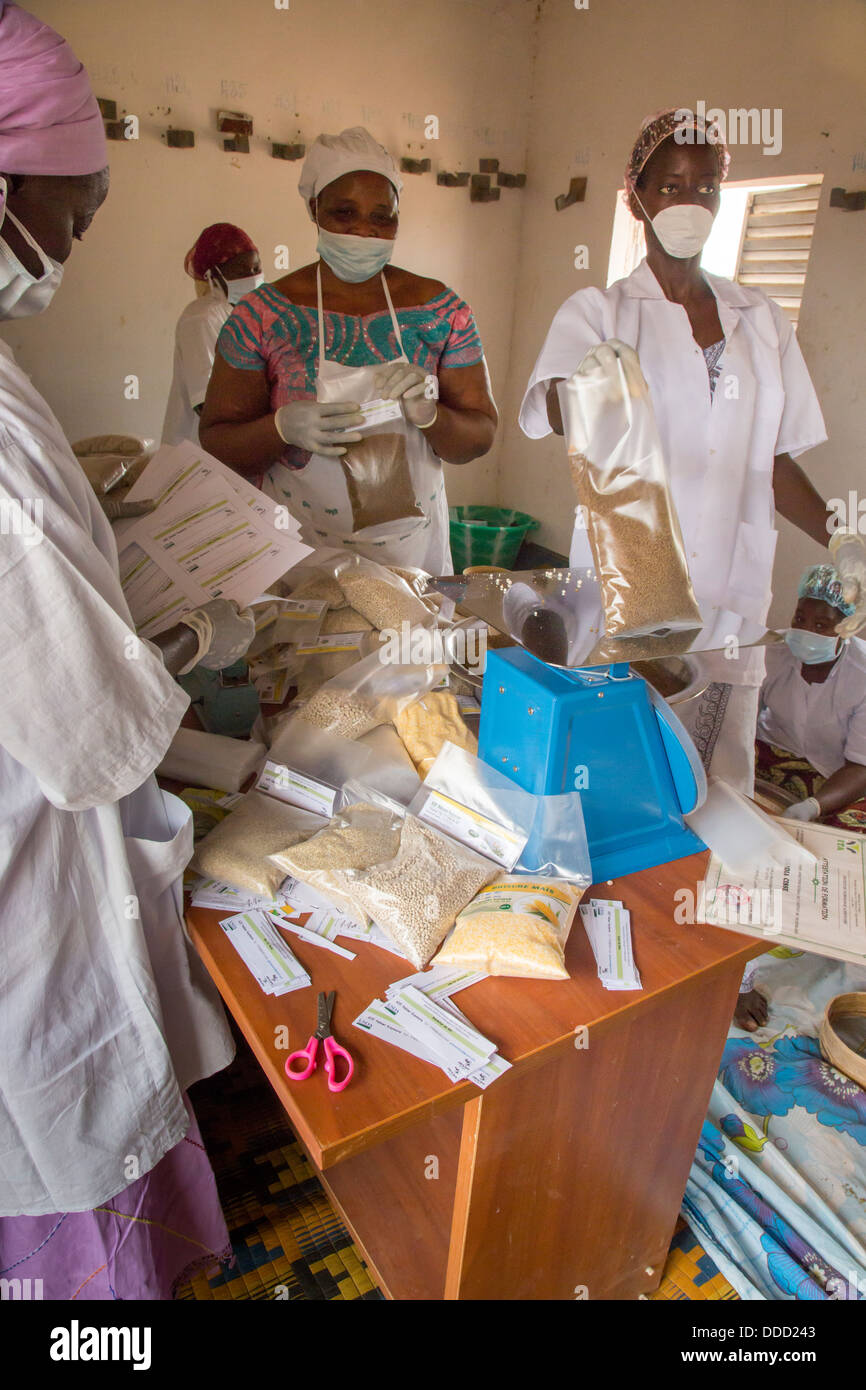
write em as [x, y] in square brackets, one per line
[333, 1050]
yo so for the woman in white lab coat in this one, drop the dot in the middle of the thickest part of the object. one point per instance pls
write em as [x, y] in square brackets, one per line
[106, 1012]
[813, 701]
[226, 264]
[734, 404]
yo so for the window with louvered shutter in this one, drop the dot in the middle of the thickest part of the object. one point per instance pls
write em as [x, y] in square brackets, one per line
[777, 239]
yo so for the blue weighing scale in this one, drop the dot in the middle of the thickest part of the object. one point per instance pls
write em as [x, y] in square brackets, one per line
[604, 731]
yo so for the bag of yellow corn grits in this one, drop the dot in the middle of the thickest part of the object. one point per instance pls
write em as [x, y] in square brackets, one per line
[515, 926]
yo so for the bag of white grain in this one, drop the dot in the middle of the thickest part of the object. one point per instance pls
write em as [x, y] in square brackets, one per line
[515, 926]
[381, 864]
[371, 692]
[383, 597]
[619, 475]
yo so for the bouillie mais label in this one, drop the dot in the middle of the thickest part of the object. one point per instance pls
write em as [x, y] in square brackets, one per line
[553, 905]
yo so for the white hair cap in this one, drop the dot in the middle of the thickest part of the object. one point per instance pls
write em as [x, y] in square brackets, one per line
[331, 156]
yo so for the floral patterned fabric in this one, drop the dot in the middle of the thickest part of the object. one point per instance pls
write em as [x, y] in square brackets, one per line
[798, 777]
[777, 1191]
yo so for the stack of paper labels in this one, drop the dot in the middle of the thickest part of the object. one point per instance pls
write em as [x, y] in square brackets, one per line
[608, 926]
[418, 1016]
[265, 953]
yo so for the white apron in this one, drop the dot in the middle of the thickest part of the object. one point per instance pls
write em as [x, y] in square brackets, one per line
[319, 498]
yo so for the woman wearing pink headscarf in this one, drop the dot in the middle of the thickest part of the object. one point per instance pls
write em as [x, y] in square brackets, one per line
[106, 1013]
[226, 265]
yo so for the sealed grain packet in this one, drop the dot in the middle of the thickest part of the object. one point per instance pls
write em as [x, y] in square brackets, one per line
[619, 475]
[516, 926]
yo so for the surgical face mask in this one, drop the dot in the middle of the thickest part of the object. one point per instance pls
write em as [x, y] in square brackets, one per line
[812, 648]
[683, 229]
[245, 285]
[354, 258]
[23, 294]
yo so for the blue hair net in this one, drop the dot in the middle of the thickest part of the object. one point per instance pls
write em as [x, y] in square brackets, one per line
[822, 582]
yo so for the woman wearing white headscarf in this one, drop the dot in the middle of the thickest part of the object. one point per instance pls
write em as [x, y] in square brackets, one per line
[299, 357]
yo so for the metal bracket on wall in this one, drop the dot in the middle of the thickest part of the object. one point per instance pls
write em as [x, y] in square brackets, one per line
[576, 194]
[453, 180]
[488, 166]
[237, 144]
[851, 202]
[234, 123]
[287, 151]
[415, 166]
[511, 180]
[107, 108]
[180, 139]
[480, 190]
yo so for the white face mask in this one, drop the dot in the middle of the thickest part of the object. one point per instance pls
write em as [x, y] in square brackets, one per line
[245, 285]
[23, 294]
[683, 229]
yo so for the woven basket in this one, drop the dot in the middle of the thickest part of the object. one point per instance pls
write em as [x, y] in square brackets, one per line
[845, 1050]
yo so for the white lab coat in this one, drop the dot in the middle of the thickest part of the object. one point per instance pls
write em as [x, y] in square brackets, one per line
[106, 1012]
[824, 723]
[195, 340]
[719, 453]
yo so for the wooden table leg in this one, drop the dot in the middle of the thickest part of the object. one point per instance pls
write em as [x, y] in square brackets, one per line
[571, 1175]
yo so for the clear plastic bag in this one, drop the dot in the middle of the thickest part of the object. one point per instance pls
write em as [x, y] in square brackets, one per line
[385, 599]
[515, 926]
[330, 658]
[378, 760]
[557, 845]
[237, 851]
[369, 693]
[476, 804]
[110, 460]
[392, 869]
[428, 724]
[619, 475]
[378, 479]
[211, 760]
[299, 621]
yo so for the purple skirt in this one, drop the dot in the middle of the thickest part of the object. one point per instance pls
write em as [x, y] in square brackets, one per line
[142, 1244]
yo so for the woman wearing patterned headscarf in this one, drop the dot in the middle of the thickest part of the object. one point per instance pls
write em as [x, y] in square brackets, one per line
[734, 405]
[813, 701]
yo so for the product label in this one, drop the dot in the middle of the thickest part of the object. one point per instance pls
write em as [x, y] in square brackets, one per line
[377, 411]
[335, 642]
[470, 828]
[285, 784]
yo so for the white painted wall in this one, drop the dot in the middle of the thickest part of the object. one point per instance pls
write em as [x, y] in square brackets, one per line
[320, 65]
[598, 72]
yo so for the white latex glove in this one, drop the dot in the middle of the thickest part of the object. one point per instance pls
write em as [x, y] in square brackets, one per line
[319, 427]
[809, 809]
[848, 552]
[403, 381]
[224, 634]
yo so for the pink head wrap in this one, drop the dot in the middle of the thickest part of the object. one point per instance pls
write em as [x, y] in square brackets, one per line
[660, 127]
[217, 243]
[49, 120]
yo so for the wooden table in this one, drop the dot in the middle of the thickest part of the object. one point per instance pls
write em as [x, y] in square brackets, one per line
[564, 1178]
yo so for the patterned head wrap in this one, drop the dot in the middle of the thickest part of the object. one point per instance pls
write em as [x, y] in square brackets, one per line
[660, 127]
[823, 583]
[217, 243]
[49, 119]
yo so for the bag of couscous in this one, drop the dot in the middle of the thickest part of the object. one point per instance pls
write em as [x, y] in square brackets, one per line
[515, 926]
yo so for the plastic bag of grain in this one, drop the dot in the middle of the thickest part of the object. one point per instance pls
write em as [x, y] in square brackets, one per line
[515, 926]
[237, 850]
[369, 693]
[383, 865]
[385, 599]
[619, 475]
[428, 724]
